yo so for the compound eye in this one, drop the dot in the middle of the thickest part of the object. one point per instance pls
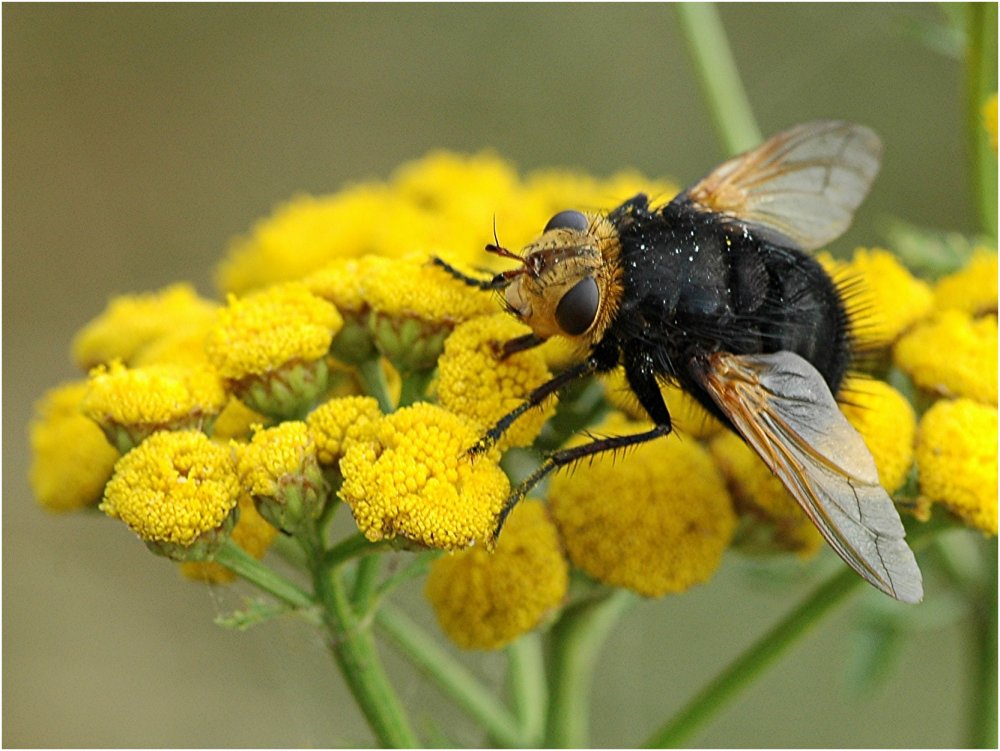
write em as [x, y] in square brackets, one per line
[568, 219]
[578, 308]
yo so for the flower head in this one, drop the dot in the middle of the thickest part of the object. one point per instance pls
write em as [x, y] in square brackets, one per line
[485, 600]
[252, 532]
[415, 480]
[774, 520]
[178, 491]
[132, 403]
[133, 322]
[952, 354]
[271, 347]
[883, 298]
[474, 383]
[71, 460]
[280, 470]
[657, 521]
[886, 421]
[415, 306]
[957, 460]
[972, 289]
[337, 422]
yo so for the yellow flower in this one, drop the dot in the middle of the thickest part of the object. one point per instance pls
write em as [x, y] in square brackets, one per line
[686, 414]
[486, 600]
[883, 298]
[990, 119]
[337, 422]
[133, 322]
[271, 347]
[888, 424]
[178, 491]
[957, 460]
[236, 421]
[71, 460]
[472, 382]
[775, 519]
[342, 282]
[952, 354]
[132, 403]
[252, 532]
[972, 289]
[280, 470]
[655, 521]
[415, 480]
[415, 305]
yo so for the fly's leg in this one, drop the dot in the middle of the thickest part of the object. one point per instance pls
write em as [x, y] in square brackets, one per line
[567, 456]
[641, 378]
[535, 398]
[486, 285]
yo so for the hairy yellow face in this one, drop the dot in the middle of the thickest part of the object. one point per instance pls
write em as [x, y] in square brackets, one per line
[571, 281]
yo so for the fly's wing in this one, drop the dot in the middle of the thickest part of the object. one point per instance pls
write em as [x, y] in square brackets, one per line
[783, 408]
[803, 184]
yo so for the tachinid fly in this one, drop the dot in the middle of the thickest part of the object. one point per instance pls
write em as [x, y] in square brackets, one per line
[715, 292]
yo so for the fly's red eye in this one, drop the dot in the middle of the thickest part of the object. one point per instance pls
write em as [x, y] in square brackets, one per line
[578, 308]
[568, 219]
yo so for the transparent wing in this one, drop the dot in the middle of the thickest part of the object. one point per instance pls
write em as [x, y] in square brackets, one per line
[803, 184]
[783, 408]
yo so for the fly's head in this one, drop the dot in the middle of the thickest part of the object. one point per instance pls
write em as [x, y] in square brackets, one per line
[569, 281]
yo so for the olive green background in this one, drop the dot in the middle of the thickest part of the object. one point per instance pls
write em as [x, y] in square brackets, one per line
[138, 139]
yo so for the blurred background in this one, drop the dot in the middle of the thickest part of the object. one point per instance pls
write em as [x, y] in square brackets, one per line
[138, 140]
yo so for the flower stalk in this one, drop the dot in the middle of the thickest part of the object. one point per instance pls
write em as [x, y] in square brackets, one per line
[679, 731]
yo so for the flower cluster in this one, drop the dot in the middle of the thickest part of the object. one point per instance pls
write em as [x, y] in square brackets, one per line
[343, 366]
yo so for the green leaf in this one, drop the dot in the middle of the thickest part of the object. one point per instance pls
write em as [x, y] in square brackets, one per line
[927, 252]
[257, 612]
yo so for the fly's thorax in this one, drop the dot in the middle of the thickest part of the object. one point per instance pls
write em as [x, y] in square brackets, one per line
[571, 282]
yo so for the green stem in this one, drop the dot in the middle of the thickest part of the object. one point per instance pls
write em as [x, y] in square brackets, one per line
[366, 581]
[373, 379]
[355, 546]
[718, 77]
[983, 714]
[679, 730]
[353, 648]
[526, 679]
[576, 637]
[980, 82]
[450, 677]
[414, 386]
[244, 565]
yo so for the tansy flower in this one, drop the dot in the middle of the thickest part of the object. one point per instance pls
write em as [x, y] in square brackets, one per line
[655, 521]
[341, 282]
[952, 354]
[133, 322]
[132, 403]
[178, 491]
[990, 119]
[775, 520]
[972, 289]
[686, 414]
[415, 305]
[71, 460]
[883, 297]
[486, 600]
[252, 533]
[337, 422]
[271, 347]
[279, 468]
[886, 421]
[236, 421]
[416, 480]
[957, 460]
[474, 383]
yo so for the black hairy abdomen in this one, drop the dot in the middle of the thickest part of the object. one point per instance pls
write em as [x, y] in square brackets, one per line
[695, 283]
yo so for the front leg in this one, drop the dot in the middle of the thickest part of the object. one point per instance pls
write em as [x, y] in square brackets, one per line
[642, 379]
